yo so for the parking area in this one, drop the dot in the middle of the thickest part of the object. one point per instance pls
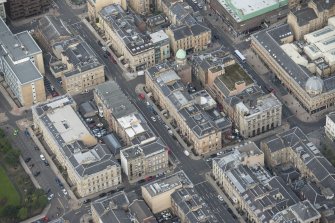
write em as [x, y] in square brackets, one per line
[167, 216]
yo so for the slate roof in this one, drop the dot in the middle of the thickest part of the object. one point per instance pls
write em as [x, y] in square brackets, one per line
[141, 212]
[113, 208]
[305, 15]
[53, 28]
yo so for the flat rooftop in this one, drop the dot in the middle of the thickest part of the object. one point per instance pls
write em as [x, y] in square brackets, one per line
[234, 74]
[17, 49]
[124, 25]
[73, 137]
[69, 127]
[177, 180]
[245, 9]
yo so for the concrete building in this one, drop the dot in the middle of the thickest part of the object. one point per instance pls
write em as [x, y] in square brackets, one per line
[241, 174]
[121, 114]
[210, 65]
[3, 10]
[253, 112]
[190, 208]
[20, 9]
[50, 30]
[201, 126]
[94, 6]
[90, 166]
[245, 15]
[138, 49]
[157, 194]
[22, 65]
[304, 20]
[141, 161]
[77, 65]
[330, 126]
[315, 90]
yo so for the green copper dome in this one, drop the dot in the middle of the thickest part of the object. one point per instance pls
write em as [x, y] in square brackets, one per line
[181, 54]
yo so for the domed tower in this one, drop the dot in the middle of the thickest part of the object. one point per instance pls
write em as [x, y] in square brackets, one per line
[181, 57]
[314, 85]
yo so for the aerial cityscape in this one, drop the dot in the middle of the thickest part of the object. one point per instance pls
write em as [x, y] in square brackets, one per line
[167, 111]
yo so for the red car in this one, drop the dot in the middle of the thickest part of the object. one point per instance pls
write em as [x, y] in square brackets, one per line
[112, 59]
[54, 94]
[141, 96]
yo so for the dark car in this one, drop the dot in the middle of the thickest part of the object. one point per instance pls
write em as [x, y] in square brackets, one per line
[37, 173]
[48, 191]
[102, 194]
[36, 148]
[46, 163]
[87, 201]
[99, 43]
[58, 181]
[27, 160]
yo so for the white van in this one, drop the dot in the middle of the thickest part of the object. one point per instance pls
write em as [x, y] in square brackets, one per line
[186, 153]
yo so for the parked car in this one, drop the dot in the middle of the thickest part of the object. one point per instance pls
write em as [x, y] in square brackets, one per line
[46, 163]
[100, 125]
[27, 159]
[42, 157]
[64, 191]
[86, 201]
[89, 120]
[153, 118]
[50, 197]
[220, 197]
[37, 173]
[102, 194]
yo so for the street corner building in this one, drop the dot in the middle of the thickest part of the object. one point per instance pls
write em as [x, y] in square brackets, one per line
[304, 66]
[200, 124]
[90, 166]
[22, 66]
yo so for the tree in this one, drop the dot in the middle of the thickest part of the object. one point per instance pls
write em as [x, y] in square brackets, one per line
[12, 157]
[10, 211]
[42, 201]
[23, 213]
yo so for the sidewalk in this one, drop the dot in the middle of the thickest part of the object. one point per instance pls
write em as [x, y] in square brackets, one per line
[287, 99]
[127, 75]
[225, 198]
[73, 202]
[37, 217]
[17, 111]
[28, 171]
[168, 123]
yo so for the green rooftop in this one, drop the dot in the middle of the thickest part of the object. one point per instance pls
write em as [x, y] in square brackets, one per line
[233, 74]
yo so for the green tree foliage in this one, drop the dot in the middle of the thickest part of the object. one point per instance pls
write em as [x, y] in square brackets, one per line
[22, 214]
